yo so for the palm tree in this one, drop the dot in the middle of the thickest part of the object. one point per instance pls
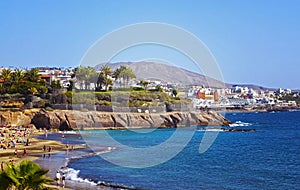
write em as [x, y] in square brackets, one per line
[86, 76]
[100, 81]
[108, 82]
[124, 73]
[106, 76]
[33, 75]
[92, 76]
[6, 76]
[79, 73]
[17, 76]
[27, 175]
[106, 70]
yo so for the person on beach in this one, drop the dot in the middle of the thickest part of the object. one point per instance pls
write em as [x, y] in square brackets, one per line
[46, 133]
[27, 142]
[44, 148]
[63, 180]
[16, 152]
[2, 166]
[57, 178]
[24, 152]
[49, 150]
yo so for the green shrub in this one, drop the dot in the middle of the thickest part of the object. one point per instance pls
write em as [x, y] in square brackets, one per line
[138, 89]
[43, 89]
[107, 103]
[69, 94]
[49, 109]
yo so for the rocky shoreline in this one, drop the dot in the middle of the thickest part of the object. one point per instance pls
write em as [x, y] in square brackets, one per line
[72, 120]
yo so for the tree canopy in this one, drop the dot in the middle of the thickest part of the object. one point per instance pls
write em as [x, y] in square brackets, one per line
[124, 74]
[27, 175]
[85, 76]
[33, 75]
[106, 74]
[18, 81]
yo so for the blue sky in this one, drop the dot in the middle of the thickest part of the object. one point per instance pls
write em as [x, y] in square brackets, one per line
[254, 42]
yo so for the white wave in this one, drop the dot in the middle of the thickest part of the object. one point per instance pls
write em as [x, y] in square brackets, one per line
[293, 110]
[239, 124]
[68, 132]
[72, 175]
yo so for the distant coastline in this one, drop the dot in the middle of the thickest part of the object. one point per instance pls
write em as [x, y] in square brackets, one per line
[262, 109]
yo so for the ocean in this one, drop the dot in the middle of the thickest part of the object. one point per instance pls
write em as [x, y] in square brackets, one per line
[266, 159]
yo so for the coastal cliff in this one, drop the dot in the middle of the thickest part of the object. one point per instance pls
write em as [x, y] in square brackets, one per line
[17, 118]
[68, 119]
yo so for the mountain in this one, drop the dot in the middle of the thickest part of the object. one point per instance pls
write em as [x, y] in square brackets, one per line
[168, 73]
[151, 70]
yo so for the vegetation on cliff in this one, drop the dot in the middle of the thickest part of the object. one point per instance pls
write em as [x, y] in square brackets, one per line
[30, 90]
[17, 81]
[125, 98]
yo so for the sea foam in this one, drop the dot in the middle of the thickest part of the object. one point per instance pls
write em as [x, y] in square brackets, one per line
[239, 124]
[73, 175]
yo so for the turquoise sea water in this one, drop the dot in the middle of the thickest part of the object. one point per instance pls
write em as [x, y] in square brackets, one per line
[266, 159]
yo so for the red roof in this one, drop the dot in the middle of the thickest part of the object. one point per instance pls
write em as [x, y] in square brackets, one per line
[43, 76]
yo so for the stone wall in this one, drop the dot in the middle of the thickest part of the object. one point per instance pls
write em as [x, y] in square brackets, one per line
[104, 108]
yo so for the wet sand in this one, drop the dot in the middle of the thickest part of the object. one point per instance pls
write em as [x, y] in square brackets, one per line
[59, 161]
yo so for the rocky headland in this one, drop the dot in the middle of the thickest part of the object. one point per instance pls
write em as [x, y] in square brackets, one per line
[71, 120]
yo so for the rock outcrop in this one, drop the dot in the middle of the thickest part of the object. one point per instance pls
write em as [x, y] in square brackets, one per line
[17, 118]
[68, 119]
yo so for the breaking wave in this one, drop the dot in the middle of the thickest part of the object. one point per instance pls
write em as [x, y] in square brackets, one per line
[72, 175]
[239, 124]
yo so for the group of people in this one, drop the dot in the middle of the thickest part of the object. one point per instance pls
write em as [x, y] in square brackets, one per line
[60, 179]
[10, 136]
[45, 148]
[24, 152]
[67, 147]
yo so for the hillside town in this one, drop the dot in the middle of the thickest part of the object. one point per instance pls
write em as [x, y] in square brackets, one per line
[238, 97]
[201, 97]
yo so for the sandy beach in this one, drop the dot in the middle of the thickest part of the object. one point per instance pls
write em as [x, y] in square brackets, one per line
[59, 160]
[51, 150]
[19, 143]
